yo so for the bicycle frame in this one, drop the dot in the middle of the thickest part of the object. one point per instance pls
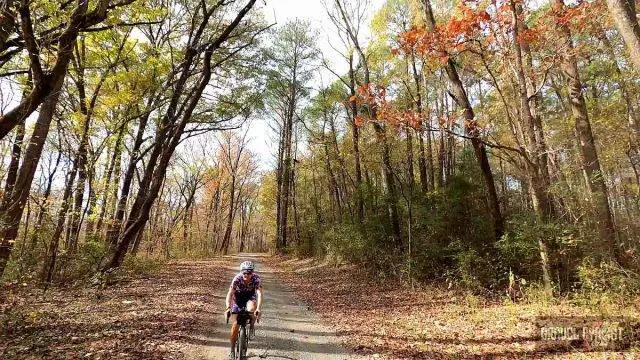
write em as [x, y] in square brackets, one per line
[242, 342]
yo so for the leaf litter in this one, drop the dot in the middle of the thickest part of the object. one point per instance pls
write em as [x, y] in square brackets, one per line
[385, 319]
[138, 317]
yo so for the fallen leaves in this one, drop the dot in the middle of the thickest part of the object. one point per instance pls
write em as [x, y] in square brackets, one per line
[137, 319]
[433, 323]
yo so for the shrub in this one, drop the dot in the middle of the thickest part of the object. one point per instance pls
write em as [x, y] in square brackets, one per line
[141, 265]
[601, 281]
[83, 263]
[519, 249]
[367, 244]
[454, 238]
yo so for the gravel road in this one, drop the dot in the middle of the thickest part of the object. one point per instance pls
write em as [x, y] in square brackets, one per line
[288, 330]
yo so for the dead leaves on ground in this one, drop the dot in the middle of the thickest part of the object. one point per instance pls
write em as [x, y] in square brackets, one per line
[377, 317]
[145, 318]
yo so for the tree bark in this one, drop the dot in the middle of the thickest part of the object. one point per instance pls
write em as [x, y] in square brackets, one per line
[113, 164]
[230, 215]
[50, 264]
[460, 96]
[12, 170]
[11, 215]
[76, 213]
[625, 17]
[286, 180]
[589, 156]
[43, 207]
[279, 174]
[422, 163]
[116, 223]
[7, 21]
[541, 201]
[355, 139]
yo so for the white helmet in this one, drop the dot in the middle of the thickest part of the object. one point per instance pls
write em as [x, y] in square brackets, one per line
[247, 265]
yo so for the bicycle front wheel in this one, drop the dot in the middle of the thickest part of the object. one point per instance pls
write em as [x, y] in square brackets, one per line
[243, 342]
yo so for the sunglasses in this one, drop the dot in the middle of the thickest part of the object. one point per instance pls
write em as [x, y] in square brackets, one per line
[247, 272]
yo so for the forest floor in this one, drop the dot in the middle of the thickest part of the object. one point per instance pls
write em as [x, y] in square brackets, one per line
[390, 320]
[176, 311]
[153, 316]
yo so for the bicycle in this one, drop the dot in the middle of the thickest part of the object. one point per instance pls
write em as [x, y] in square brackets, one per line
[242, 343]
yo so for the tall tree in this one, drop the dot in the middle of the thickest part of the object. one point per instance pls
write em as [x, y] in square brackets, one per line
[350, 19]
[186, 86]
[459, 94]
[588, 154]
[626, 18]
[291, 58]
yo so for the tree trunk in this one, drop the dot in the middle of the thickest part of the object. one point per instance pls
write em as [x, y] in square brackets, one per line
[625, 17]
[589, 156]
[114, 228]
[43, 207]
[279, 176]
[50, 264]
[227, 233]
[389, 179]
[10, 217]
[422, 163]
[12, 171]
[410, 169]
[7, 21]
[76, 214]
[460, 96]
[333, 183]
[355, 139]
[541, 201]
[286, 184]
[92, 198]
[113, 165]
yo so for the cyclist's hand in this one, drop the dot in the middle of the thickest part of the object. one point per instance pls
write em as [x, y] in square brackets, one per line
[257, 313]
[227, 314]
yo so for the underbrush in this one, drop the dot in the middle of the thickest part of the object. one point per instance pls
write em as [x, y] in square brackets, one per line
[452, 245]
[605, 283]
[141, 266]
[73, 268]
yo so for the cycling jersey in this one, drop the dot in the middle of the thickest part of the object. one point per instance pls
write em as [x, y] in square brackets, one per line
[244, 292]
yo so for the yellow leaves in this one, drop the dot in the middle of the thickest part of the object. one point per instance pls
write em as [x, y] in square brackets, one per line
[77, 119]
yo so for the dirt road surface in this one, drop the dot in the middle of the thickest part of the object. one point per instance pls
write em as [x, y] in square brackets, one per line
[288, 329]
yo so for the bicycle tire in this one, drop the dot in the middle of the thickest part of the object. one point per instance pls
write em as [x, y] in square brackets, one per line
[242, 343]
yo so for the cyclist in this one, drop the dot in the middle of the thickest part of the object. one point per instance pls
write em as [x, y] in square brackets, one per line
[245, 292]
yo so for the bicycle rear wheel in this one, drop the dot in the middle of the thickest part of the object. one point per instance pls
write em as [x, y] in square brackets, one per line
[243, 343]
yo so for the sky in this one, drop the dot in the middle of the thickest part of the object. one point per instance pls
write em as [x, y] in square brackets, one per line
[279, 12]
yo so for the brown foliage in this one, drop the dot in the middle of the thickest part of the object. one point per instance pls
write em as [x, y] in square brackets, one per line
[137, 318]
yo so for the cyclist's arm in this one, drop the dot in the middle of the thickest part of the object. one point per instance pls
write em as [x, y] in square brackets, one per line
[230, 295]
[259, 298]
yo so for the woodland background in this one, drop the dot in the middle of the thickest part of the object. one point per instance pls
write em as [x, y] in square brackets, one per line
[489, 145]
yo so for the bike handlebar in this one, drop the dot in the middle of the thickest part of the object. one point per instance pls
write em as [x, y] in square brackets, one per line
[241, 312]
